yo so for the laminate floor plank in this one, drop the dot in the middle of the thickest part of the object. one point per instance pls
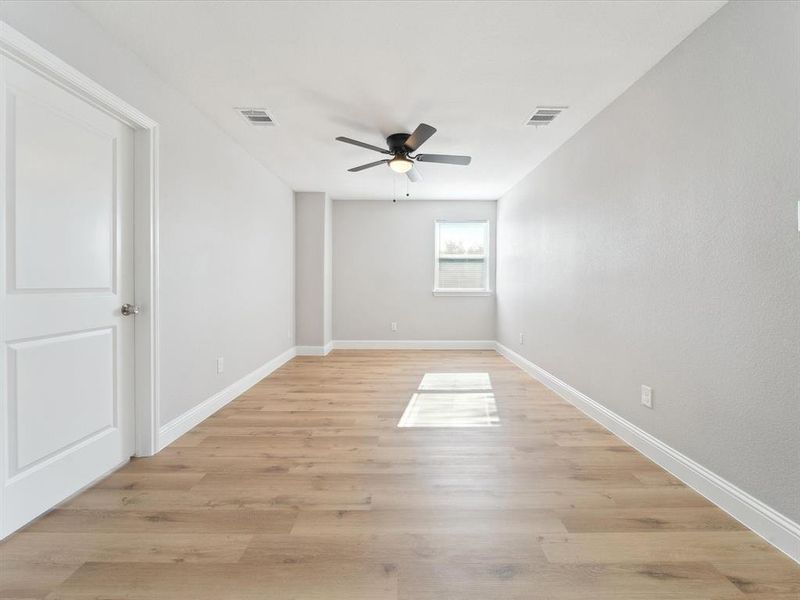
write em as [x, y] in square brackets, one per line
[143, 581]
[305, 488]
[522, 581]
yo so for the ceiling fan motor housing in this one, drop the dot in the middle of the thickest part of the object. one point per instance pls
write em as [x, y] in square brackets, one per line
[400, 147]
[396, 142]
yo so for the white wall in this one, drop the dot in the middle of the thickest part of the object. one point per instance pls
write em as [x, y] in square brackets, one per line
[313, 268]
[327, 292]
[226, 237]
[660, 246]
[383, 259]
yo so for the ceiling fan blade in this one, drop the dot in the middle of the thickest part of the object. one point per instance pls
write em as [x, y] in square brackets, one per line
[419, 137]
[368, 166]
[447, 159]
[414, 175]
[348, 140]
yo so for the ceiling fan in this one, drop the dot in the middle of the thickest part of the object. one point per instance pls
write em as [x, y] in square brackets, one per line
[401, 145]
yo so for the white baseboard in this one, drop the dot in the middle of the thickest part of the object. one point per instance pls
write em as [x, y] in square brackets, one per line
[315, 350]
[179, 425]
[777, 529]
[414, 344]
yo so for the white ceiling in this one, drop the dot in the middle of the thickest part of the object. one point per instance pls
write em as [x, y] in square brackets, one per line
[474, 70]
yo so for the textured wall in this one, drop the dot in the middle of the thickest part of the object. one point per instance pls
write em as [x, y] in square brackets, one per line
[312, 260]
[660, 246]
[383, 258]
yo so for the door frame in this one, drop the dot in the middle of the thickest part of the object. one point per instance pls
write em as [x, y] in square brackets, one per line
[28, 53]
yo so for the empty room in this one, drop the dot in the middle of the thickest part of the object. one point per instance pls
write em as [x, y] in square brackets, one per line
[400, 300]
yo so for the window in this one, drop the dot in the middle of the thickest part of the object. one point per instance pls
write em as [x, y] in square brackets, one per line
[462, 258]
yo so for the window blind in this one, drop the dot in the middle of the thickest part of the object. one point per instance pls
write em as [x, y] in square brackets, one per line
[462, 273]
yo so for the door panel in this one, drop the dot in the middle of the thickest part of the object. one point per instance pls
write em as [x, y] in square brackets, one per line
[67, 413]
[72, 206]
[80, 370]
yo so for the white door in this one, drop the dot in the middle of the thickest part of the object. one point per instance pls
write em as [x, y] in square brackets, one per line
[67, 260]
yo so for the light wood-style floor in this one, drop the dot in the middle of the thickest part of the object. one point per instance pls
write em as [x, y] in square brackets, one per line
[305, 488]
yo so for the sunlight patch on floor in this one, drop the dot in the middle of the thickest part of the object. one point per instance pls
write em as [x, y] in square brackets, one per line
[452, 400]
[455, 381]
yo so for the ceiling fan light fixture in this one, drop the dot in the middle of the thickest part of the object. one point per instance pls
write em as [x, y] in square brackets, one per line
[400, 164]
[399, 146]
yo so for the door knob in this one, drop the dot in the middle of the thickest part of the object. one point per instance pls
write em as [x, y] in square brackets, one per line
[129, 309]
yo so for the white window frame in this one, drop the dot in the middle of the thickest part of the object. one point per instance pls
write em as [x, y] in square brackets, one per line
[486, 290]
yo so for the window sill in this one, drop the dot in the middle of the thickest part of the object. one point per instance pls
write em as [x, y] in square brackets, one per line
[462, 292]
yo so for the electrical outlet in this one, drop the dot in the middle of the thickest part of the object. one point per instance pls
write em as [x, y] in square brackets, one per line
[521, 338]
[647, 396]
[394, 326]
[220, 365]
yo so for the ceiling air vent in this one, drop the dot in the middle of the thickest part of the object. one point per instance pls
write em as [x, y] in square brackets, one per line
[545, 115]
[256, 116]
